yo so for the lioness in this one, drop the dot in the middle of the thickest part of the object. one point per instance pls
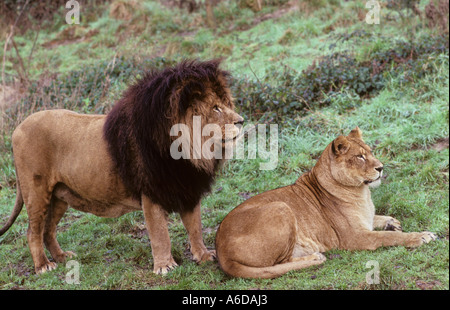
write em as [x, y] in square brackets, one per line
[112, 164]
[329, 207]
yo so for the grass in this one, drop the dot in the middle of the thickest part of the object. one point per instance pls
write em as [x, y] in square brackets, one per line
[404, 123]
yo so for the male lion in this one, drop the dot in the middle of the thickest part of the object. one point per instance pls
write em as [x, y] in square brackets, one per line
[327, 208]
[118, 163]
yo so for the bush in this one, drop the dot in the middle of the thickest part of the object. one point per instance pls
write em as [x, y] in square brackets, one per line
[84, 89]
[37, 11]
[339, 77]
[437, 15]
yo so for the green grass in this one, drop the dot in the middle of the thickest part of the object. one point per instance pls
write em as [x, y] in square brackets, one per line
[403, 123]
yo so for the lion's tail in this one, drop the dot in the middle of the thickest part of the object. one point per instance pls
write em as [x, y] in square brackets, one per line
[236, 269]
[15, 212]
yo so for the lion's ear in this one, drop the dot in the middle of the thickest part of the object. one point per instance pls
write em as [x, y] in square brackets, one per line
[355, 133]
[340, 145]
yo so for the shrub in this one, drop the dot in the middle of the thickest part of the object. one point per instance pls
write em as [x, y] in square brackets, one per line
[338, 77]
[437, 15]
[85, 89]
[38, 12]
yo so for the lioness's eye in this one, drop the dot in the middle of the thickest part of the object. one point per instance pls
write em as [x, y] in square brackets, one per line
[362, 157]
[217, 109]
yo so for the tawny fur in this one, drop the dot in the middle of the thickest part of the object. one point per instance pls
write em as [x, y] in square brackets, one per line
[67, 159]
[329, 207]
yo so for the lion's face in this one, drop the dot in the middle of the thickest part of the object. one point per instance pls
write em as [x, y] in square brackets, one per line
[220, 111]
[353, 163]
[213, 127]
[217, 111]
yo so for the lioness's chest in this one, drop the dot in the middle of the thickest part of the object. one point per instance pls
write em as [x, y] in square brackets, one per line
[360, 213]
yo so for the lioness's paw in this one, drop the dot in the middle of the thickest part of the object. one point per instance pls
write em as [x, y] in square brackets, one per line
[428, 237]
[422, 238]
[393, 224]
[44, 268]
[319, 257]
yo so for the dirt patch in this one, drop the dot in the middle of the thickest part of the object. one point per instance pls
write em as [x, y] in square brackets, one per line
[274, 15]
[437, 15]
[440, 144]
[123, 10]
[138, 231]
[22, 270]
[68, 220]
[277, 14]
[246, 195]
[10, 94]
[145, 277]
[189, 5]
[70, 35]
[424, 285]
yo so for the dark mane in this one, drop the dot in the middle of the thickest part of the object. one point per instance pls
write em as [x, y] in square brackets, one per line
[137, 132]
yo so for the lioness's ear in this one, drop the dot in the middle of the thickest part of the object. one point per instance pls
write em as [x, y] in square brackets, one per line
[340, 145]
[355, 133]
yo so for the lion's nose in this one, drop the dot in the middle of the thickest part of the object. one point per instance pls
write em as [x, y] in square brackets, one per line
[240, 121]
[379, 169]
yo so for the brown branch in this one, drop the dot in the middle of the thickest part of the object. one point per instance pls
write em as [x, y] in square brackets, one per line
[34, 44]
[211, 20]
[9, 37]
[23, 75]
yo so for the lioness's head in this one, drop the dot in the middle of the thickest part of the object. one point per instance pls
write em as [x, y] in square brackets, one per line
[352, 161]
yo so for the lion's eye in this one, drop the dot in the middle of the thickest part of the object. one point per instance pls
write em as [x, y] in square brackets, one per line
[362, 157]
[217, 109]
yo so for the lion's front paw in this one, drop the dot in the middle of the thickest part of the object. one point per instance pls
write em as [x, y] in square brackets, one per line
[393, 224]
[64, 256]
[48, 266]
[163, 269]
[204, 256]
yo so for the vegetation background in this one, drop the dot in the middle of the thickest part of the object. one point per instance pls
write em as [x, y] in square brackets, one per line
[314, 67]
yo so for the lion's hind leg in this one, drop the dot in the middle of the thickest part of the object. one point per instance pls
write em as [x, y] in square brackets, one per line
[55, 213]
[37, 204]
[259, 242]
[240, 270]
